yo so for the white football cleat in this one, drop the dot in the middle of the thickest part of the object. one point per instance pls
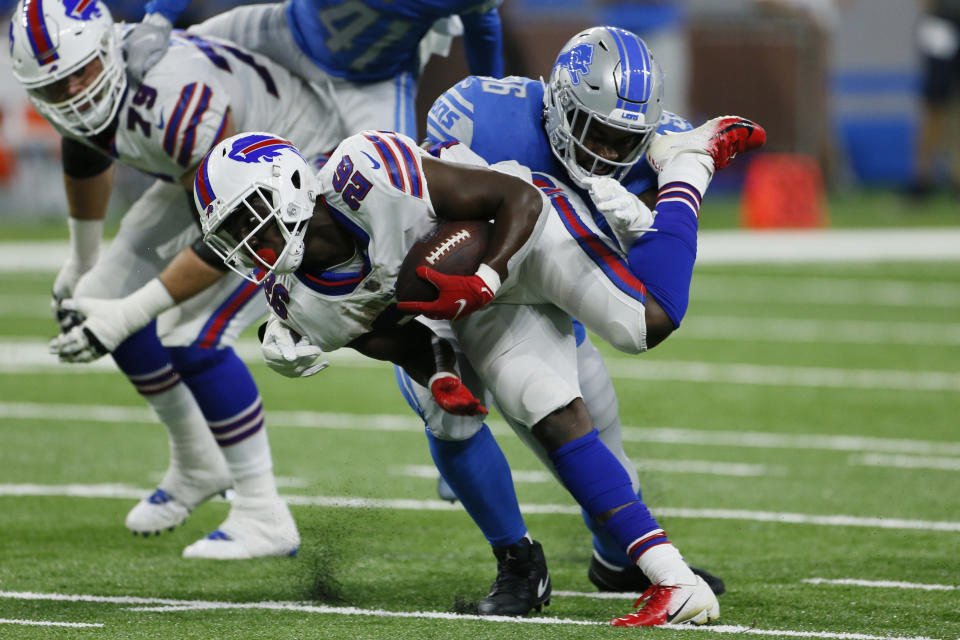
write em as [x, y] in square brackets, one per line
[177, 495]
[721, 138]
[255, 528]
[673, 604]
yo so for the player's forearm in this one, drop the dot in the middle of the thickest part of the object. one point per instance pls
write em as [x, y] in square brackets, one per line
[87, 203]
[413, 347]
[515, 221]
[483, 43]
[187, 275]
[87, 198]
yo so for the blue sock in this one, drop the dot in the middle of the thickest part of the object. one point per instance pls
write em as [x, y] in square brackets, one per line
[663, 260]
[605, 545]
[146, 362]
[224, 389]
[635, 530]
[478, 473]
[593, 474]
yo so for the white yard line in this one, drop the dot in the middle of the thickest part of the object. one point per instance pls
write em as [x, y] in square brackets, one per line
[773, 375]
[827, 245]
[860, 332]
[788, 289]
[162, 605]
[19, 357]
[907, 462]
[50, 623]
[705, 467]
[353, 502]
[887, 584]
[697, 326]
[713, 247]
[412, 424]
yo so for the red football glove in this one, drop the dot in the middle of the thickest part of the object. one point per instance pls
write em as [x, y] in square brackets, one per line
[458, 295]
[451, 394]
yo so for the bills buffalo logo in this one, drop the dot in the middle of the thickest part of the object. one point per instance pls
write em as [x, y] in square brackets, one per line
[576, 61]
[258, 148]
[82, 9]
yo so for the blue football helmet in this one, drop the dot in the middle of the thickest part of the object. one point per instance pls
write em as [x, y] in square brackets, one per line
[603, 76]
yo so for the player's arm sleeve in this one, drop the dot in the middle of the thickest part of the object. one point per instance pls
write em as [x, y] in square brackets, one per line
[81, 161]
[169, 9]
[483, 41]
[207, 254]
[451, 116]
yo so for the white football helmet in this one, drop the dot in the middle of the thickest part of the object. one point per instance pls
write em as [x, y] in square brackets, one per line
[52, 42]
[245, 183]
[605, 76]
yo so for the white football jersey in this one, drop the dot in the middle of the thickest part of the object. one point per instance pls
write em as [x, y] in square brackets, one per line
[167, 123]
[374, 187]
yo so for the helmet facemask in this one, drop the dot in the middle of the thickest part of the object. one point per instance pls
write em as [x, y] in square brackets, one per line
[576, 124]
[249, 225]
[92, 109]
[605, 90]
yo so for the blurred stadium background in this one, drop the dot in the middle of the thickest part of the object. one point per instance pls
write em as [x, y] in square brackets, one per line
[799, 435]
[836, 83]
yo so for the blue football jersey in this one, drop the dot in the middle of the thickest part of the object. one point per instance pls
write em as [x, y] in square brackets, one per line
[369, 40]
[503, 120]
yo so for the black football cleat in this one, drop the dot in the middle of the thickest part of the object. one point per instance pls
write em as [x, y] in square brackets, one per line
[631, 579]
[522, 584]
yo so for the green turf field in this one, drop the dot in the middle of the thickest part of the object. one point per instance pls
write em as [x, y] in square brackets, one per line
[798, 437]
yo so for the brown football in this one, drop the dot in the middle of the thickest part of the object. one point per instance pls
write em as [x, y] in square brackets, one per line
[453, 248]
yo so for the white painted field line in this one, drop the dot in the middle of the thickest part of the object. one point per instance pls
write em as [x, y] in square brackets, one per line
[20, 357]
[412, 424]
[826, 291]
[406, 504]
[50, 623]
[163, 605]
[907, 462]
[860, 332]
[773, 375]
[765, 440]
[697, 326]
[705, 467]
[889, 584]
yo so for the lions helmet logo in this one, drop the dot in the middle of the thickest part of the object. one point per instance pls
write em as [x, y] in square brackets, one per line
[259, 148]
[82, 9]
[576, 61]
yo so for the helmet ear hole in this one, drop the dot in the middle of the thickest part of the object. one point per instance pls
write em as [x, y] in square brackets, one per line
[295, 179]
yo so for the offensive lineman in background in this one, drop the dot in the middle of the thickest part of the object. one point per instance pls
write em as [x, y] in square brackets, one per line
[67, 55]
[366, 55]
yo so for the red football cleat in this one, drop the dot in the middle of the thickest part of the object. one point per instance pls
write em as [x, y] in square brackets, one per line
[673, 604]
[721, 138]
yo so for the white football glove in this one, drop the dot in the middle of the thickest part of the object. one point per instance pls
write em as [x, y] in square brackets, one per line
[63, 287]
[627, 216]
[108, 322]
[289, 354]
[144, 44]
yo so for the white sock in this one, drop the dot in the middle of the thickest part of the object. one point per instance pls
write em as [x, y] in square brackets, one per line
[192, 446]
[663, 564]
[251, 466]
[693, 168]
